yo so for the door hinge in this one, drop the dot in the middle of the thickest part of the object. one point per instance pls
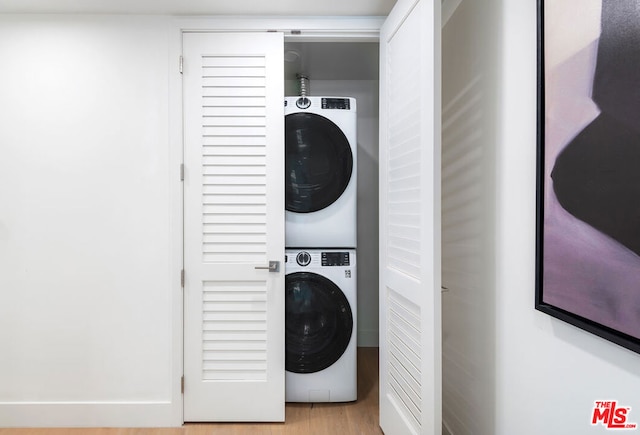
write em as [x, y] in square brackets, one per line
[182, 385]
[181, 63]
[182, 278]
[181, 171]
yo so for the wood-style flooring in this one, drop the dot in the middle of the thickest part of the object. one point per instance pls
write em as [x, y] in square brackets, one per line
[360, 417]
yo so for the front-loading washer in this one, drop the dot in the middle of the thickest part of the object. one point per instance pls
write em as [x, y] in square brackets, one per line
[320, 325]
[320, 172]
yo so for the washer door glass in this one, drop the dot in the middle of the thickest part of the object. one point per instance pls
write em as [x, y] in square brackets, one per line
[318, 164]
[318, 323]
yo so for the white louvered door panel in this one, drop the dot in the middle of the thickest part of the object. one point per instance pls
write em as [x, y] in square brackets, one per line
[233, 223]
[410, 299]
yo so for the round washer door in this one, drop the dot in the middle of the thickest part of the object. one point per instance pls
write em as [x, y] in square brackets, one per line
[318, 162]
[318, 323]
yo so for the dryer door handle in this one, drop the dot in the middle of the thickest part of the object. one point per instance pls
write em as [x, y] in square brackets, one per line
[274, 266]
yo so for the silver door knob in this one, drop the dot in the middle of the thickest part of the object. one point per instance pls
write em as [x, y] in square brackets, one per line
[274, 266]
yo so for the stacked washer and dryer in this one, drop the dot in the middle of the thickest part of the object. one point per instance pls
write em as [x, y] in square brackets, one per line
[321, 304]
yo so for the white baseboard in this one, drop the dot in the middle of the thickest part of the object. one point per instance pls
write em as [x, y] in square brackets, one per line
[74, 414]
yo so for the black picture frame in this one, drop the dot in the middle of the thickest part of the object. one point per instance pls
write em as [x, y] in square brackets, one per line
[568, 238]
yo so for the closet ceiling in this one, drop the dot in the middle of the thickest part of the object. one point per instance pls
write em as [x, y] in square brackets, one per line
[202, 7]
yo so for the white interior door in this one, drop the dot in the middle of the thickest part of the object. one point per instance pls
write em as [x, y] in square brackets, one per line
[410, 299]
[233, 226]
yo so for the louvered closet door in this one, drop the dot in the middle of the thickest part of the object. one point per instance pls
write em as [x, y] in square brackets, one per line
[410, 328]
[233, 226]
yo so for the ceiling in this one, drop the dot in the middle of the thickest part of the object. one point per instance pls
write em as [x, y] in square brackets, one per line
[203, 7]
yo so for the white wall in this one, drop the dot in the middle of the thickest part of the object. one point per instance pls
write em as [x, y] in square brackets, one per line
[548, 373]
[469, 83]
[507, 368]
[88, 269]
[90, 219]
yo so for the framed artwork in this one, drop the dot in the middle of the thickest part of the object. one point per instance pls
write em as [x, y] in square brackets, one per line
[588, 203]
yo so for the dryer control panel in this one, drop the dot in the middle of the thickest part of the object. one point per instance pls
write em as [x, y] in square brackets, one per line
[336, 103]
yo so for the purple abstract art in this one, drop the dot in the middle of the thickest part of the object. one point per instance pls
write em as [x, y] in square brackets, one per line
[589, 167]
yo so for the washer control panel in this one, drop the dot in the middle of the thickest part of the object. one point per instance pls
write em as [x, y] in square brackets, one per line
[314, 258]
[303, 258]
[335, 258]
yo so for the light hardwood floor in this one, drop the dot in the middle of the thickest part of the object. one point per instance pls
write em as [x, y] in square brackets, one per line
[360, 417]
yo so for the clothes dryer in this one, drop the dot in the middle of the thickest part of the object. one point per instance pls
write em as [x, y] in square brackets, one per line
[320, 172]
[320, 324]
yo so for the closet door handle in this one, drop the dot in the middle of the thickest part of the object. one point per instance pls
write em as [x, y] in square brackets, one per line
[274, 266]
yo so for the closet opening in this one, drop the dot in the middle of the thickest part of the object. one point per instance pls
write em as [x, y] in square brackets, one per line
[348, 68]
